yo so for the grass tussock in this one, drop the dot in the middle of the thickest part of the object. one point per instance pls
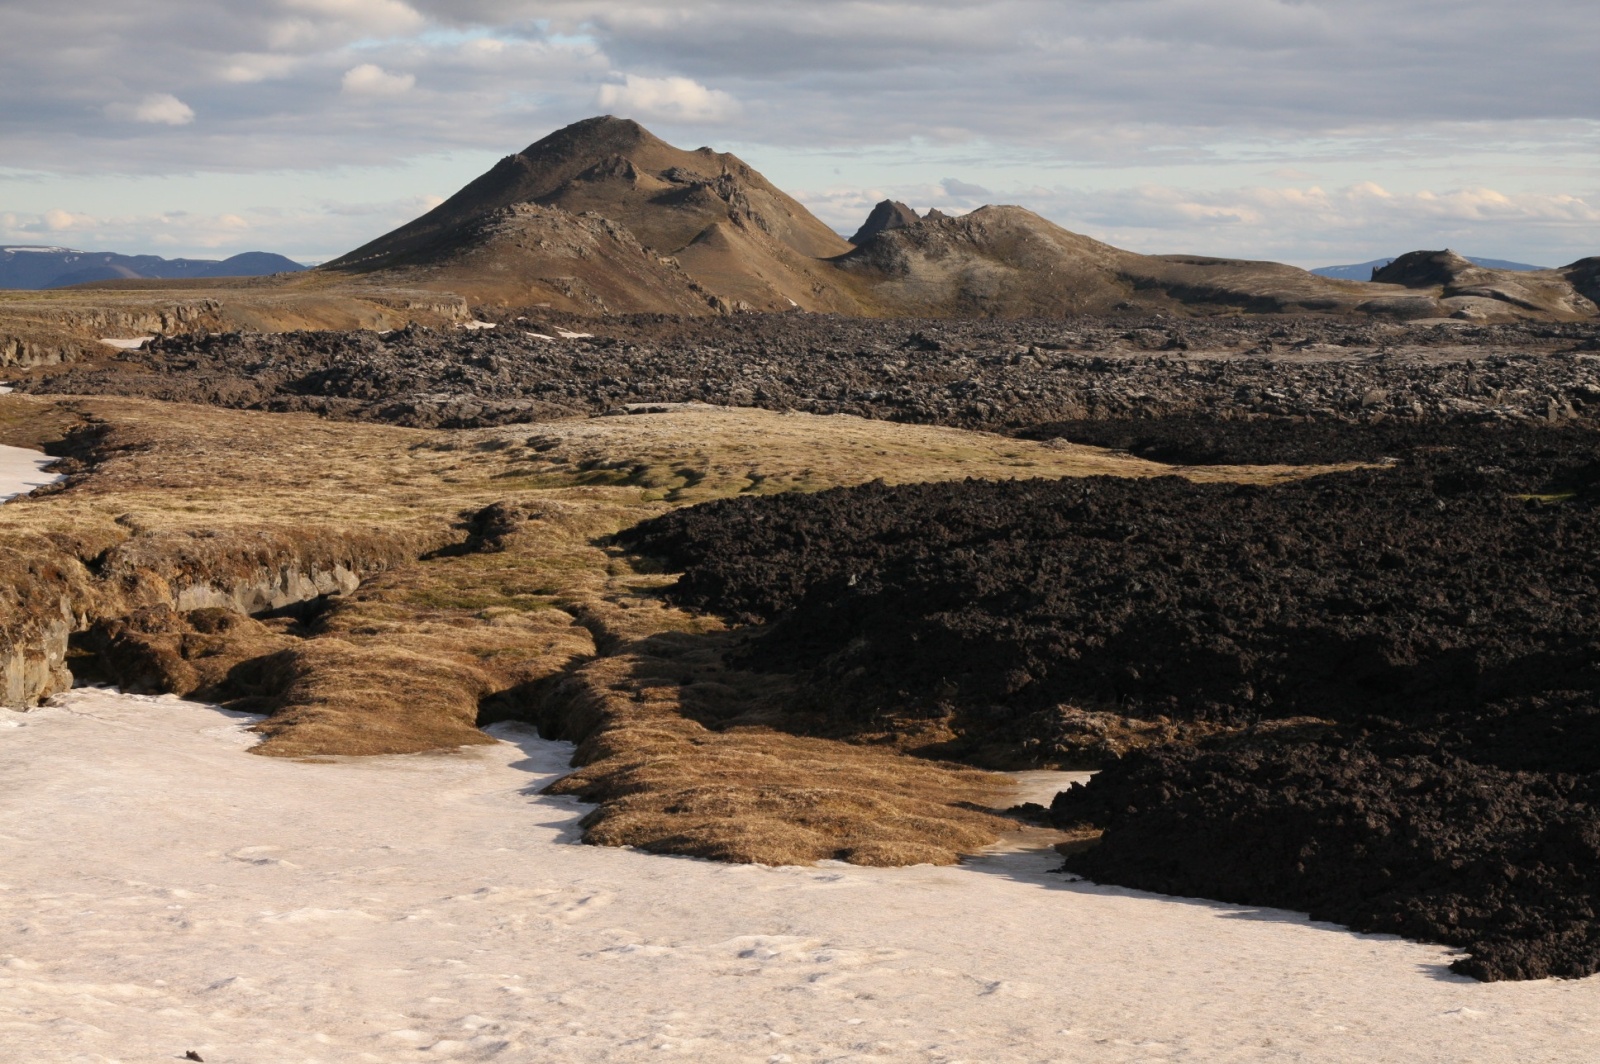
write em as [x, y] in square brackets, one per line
[666, 783]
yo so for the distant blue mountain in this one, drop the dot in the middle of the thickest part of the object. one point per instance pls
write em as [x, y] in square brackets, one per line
[52, 267]
[1362, 271]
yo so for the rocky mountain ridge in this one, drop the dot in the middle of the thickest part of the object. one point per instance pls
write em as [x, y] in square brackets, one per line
[603, 217]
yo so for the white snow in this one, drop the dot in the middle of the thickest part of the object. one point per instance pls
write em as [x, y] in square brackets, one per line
[1041, 785]
[573, 335]
[474, 325]
[163, 890]
[5, 388]
[538, 336]
[130, 343]
[22, 470]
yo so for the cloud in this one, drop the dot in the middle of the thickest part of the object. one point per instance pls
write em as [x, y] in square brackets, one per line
[302, 234]
[59, 221]
[1088, 81]
[322, 20]
[669, 99]
[1108, 97]
[160, 108]
[1318, 226]
[958, 189]
[248, 68]
[369, 79]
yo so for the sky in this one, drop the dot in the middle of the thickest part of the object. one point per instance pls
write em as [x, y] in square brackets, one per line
[1313, 132]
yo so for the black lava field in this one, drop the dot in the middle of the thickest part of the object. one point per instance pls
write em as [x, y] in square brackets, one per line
[991, 375]
[1395, 670]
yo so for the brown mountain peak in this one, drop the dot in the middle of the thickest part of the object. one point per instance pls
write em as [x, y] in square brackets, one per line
[603, 135]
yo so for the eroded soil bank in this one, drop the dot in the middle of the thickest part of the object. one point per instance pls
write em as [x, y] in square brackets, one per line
[1381, 683]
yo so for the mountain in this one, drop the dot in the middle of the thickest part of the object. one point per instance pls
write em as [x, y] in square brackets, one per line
[1363, 271]
[691, 230]
[605, 217]
[1006, 261]
[57, 267]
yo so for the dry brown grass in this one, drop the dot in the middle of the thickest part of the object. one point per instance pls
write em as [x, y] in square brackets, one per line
[682, 754]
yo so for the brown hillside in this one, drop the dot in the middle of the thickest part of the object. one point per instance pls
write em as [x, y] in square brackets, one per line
[1474, 291]
[740, 238]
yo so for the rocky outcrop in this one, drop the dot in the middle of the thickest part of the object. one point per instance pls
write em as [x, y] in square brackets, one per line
[889, 214]
[33, 664]
[48, 334]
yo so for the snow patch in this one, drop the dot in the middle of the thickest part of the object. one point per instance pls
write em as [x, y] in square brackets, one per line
[131, 343]
[22, 470]
[474, 325]
[170, 890]
[1042, 785]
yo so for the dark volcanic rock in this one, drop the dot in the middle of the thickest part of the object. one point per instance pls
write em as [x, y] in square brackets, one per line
[999, 376]
[1430, 587]
[1399, 666]
[1381, 832]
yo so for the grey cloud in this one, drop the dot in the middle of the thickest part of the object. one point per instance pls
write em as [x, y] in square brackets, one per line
[1078, 83]
[1128, 78]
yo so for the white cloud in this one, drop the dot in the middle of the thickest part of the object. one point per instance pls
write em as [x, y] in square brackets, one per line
[483, 48]
[1318, 227]
[161, 108]
[176, 233]
[667, 99]
[56, 220]
[369, 79]
[248, 68]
